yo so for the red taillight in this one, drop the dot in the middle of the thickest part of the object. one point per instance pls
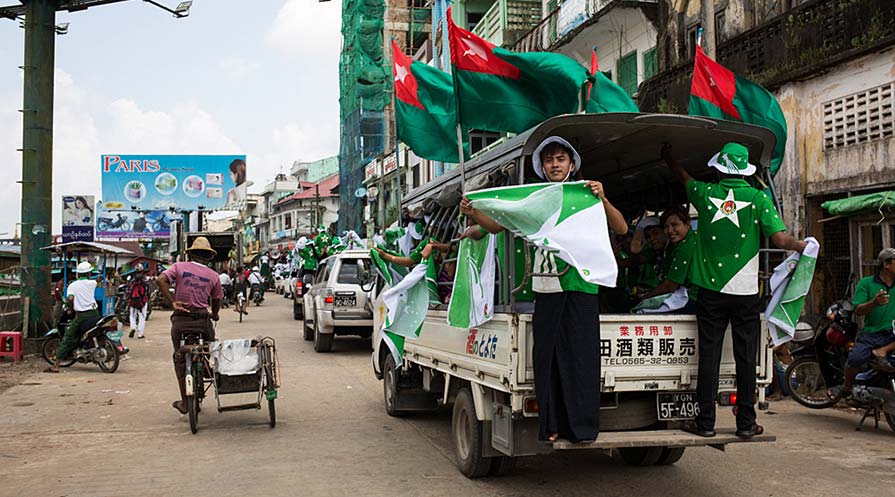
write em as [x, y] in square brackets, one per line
[727, 398]
[530, 405]
[836, 336]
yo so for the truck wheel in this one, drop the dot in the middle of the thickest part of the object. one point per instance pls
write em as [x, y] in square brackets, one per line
[670, 455]
[502, 465]
[323, 342]
[390, 376]
[466, 434]
[641, 456]
[296, 312]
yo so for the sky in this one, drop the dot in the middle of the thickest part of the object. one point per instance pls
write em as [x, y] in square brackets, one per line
[255, 77]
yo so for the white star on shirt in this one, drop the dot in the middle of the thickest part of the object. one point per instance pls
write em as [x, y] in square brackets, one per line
[400, 73]
[728, 208]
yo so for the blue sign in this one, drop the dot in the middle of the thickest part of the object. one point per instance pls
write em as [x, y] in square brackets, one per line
[184, 182]
[121, 223]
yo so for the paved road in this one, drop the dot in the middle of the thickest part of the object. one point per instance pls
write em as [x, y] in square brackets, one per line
[85, 433]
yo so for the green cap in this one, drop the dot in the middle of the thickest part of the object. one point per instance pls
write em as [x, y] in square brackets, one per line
[733, 159]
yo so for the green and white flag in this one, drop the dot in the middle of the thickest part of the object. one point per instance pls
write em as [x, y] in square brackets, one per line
[407, 303]
[391, 274]
[563, 218]
[790, 284]
[472, 298]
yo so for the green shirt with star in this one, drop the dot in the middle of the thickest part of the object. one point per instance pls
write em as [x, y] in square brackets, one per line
[680, 262]
[732, 218]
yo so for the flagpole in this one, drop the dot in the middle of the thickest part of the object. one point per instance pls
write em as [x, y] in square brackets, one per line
[397, 154]
[462, 161]
[449, 23]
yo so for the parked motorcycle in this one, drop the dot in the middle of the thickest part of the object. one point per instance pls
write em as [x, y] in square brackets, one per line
[820, 364]
[100, 344]
[109, 224]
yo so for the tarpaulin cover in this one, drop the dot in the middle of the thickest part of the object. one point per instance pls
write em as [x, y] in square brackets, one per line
[861, 203]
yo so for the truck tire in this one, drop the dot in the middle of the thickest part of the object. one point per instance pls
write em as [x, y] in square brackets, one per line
[323, 342]
[390, 375]
[502, 465]
[670, 455]
[466, 437]
[641, 456]
[296, 311]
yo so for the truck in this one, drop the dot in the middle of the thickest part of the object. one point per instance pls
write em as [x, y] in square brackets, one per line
[649, 361]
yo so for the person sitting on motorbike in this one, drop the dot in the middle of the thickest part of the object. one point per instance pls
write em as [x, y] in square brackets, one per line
[198, 288]
[240, 287]
[872, 301]
[256, 281]
[226, 286]
[81, 298]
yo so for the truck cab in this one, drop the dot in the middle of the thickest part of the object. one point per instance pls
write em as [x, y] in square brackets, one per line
[649, 361]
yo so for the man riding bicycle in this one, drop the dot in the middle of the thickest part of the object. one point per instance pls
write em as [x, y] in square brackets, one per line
[197, 288]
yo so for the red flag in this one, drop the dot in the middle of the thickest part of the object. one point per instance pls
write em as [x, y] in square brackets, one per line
[469, 52]
[594, 67]
[405, 82]
[714, 83]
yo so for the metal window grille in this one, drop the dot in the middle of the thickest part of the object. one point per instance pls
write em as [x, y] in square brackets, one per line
[860, 117]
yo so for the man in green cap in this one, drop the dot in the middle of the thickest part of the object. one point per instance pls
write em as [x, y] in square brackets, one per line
[733, 216]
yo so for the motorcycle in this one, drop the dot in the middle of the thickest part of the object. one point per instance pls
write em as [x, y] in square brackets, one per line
[109, 224]
[256, 297]
[161, 224]
[820, 364]
[99, 344]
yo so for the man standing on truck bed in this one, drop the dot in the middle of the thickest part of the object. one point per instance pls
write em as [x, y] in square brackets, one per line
[566, 319]
[732, 217]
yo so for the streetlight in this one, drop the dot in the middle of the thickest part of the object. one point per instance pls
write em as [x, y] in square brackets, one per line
[62, 28]
[182, 10]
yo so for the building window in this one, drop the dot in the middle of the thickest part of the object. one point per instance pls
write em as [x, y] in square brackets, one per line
[416, 176]
[720, 28]
[288, 220]
[650, 63]
[627, 72]
[860, 117]
[481, 139]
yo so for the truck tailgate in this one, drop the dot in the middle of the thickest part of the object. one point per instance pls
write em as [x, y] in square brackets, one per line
[660, 438]
[649, 352]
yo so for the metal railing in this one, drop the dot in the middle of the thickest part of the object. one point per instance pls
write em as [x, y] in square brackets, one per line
[505, 18]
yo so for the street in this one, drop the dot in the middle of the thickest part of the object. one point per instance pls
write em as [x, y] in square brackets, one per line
[86, 433]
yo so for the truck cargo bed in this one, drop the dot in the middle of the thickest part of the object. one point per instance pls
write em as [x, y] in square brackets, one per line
[661, 438]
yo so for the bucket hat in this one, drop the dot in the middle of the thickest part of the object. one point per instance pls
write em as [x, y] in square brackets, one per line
[536, 156]
[733, 159]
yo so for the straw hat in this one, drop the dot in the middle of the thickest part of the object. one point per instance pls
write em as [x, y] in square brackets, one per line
[201, 244]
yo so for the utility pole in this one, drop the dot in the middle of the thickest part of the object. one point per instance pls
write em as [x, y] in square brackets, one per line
[708, 27]
[37, 161]
[317, 205]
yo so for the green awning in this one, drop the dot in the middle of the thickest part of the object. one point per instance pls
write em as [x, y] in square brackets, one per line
[861, 203]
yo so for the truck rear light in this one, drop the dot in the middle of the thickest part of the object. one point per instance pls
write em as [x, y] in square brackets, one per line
[298, 286]
[530, 405]
[727, 398]
[328, 297]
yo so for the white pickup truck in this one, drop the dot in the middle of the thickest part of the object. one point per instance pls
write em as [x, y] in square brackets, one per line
[649, 362]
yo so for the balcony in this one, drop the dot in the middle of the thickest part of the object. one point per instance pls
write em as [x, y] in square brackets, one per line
[806, 40]
[507, 20]
[567, 20]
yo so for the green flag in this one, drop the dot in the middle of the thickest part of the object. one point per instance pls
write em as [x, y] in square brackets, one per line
[565, 219]
[472, 298]
[717, 92]
[391, 275]
[499, 90]
[425, 109]
[604, 95]
[790, 284]
[407, 302]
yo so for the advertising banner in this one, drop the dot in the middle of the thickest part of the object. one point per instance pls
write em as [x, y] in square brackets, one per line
[77, 218]
[127, 223]
[185, 182]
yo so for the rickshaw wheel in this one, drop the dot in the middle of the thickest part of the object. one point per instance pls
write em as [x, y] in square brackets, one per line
[269, 384]
[193, 404]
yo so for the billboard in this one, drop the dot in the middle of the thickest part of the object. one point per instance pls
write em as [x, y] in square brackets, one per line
[184, 182]
[127, 223]
[77, 218]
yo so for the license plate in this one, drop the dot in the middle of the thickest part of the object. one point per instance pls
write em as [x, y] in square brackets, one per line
[345, 301]
[676, 406]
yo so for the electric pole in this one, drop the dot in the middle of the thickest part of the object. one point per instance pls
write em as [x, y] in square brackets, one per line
[708, 27]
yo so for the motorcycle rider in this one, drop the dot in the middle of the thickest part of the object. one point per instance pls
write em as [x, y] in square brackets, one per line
[256, 281]
[81, 298]
[197, 288]
[138, 302]
[227, 286]
[872, 300]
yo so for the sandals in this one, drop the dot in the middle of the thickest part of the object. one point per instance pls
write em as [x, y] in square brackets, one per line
[177, 404]
[51, 370]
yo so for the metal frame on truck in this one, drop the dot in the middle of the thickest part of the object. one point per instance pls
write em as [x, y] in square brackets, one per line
[495, 410]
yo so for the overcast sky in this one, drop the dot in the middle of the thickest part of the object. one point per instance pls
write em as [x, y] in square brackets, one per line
[256, 77]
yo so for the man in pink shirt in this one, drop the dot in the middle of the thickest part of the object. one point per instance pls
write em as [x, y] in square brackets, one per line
[197, 288]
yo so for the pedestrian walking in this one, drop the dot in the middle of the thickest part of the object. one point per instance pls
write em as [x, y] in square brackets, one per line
[138, 302]
[732, 218]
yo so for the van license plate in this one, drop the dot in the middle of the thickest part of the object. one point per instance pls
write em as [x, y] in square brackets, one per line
[676, 406]
[346, 301]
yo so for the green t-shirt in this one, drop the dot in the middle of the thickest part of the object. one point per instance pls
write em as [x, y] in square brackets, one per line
[680, 261]
[308, 257]
[882, 317]
[732, 218]
[648, 274]
[570, 281]
[416, 255]
[525, 294]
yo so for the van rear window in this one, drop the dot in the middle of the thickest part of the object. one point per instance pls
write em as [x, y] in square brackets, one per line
[352, 270]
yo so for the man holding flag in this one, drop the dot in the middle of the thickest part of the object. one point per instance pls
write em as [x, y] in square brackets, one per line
[567, 316]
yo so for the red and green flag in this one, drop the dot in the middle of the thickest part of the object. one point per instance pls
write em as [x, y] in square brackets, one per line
[425, 110]
[718, 92]
[603, 95]
[500, 90]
